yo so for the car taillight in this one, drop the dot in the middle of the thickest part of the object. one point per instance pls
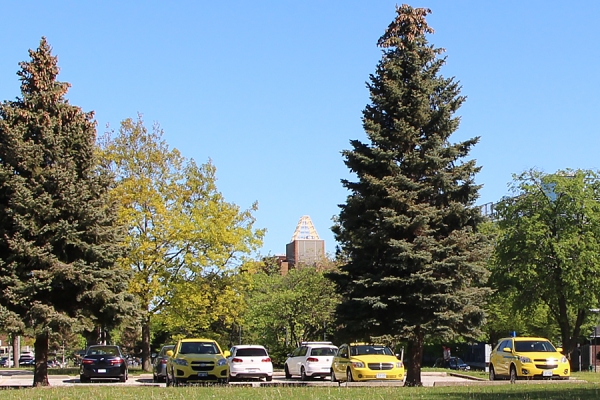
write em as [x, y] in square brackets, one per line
[116, 361]
[237, 360]
[266, 359]
[163, 361]
[87, 361]
[312, 359]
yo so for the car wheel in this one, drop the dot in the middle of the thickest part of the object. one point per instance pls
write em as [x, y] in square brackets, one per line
[269, 378]
[513, 374]
[84, 379]
[230, 378]
[349, 375]
[287, 372]
[154, 379]
[492, 373]
[167, 380]
[332, 375]
[123, 378]
[303, 374]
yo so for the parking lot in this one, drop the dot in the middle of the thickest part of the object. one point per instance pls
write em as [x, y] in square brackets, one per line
[20, 378]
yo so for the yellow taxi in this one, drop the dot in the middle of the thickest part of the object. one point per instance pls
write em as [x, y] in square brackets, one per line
[528, 358]
[196, 360]
[363, 362]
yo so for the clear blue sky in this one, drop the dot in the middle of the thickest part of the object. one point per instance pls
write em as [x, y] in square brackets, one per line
[272, 91]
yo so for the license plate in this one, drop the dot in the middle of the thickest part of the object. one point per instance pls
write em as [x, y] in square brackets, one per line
[202, 374]
[547, 373]
[380, 376]
[252, 369]
[101, 371]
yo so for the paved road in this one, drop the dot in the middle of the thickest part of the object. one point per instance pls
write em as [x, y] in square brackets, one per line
[20, 378]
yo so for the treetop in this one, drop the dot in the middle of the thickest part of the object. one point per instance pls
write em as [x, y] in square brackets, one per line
[409, 24]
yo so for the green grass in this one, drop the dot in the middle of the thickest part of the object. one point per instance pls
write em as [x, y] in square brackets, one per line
[520, 391]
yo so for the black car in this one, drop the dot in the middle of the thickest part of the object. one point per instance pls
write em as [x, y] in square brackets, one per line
[26, 360]
[159, 366]
[455, 363]
[103, 362]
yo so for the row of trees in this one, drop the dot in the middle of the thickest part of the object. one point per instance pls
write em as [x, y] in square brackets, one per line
[103, 234]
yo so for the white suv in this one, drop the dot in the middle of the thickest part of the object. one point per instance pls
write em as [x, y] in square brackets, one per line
[310, 360]
[249, 361]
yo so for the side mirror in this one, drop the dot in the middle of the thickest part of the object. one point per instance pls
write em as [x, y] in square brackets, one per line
[226, 353]
[507, 350]
[289, 354]
[170, 353]
[559, 349]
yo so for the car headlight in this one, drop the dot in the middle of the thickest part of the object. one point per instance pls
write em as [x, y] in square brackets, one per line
[221, 362]
[399, 364]
[180, 361]
[524, 359]
[358, 364]
[563, 359]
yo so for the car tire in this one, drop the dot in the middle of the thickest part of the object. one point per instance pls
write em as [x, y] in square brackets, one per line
[167, 380]
[123, 378]
[230, 378]
[303, 376]
[513, 374]
[332, 376]
[287, 372]
[154, 379]
[269, 378]
[84, 379]
[492, 373]
[349, 377]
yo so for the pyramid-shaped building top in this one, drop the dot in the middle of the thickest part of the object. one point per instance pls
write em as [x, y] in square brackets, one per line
[305, 230]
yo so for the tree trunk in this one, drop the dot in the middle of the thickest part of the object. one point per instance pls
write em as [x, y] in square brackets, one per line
[16, 349]
[40, 372]
[146, 361]
[414, 359]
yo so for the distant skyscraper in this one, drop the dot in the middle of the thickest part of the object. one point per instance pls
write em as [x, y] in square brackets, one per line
[305, 247]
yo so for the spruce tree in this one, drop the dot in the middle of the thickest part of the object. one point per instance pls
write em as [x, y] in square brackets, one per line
[415, 266]
[59, 239]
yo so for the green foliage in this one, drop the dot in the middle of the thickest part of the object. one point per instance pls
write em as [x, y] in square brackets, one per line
[59, 236]
[547, 253]
[409, 228]
[284, 310]
[184, 242]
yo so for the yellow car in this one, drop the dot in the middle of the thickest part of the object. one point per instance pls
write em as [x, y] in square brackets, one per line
[363, 362]
[196, 360]
[528, 358]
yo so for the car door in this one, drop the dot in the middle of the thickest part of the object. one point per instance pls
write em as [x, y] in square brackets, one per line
[504, 357]
[300, 360]
[340, 362]
[292, 362]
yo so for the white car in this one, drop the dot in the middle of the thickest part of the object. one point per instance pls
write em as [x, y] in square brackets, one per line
[310, 360]
[249, 361]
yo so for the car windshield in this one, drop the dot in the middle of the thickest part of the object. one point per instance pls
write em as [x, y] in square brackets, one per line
[198, 348]
[103, 350]
[529, 346]
[366, 350]
[251, 352]
[323, 351]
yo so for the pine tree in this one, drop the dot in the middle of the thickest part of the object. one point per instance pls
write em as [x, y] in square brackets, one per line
[58, 235]
[415, 268]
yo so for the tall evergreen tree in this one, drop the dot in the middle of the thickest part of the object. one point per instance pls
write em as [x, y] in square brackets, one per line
[58, 233]
[415, 266]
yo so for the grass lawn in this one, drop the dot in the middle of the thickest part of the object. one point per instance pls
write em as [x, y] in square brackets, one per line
[521, 391]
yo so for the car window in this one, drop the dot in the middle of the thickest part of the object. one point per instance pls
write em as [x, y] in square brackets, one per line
[303, 351]
[323, 351]
[251, 352]
[362, 350]
[102, 350]
[526, 346]
[198, 348]
[343, 352]
[296, 352]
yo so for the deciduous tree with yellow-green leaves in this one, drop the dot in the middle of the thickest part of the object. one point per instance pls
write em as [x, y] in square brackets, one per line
[185, 241]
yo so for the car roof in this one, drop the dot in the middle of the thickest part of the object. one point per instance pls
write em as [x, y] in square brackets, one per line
[522, 338]
[199, 340]
[248, 346]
